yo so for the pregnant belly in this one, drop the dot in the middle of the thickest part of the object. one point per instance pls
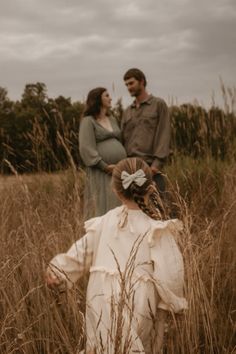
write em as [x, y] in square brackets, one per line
[111, 151]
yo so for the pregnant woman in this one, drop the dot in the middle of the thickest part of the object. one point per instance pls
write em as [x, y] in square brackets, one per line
[100, 149]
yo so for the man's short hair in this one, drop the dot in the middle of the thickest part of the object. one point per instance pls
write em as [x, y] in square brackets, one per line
[135, 73]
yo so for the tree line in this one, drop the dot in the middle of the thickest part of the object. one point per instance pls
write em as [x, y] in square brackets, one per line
[39, 133]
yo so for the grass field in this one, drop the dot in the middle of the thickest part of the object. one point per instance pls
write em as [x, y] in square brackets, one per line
[40, 215]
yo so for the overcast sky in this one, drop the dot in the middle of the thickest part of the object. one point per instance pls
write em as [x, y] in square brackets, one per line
[183, 46]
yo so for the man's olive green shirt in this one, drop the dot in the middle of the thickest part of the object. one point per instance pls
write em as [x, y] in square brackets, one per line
[146, 131]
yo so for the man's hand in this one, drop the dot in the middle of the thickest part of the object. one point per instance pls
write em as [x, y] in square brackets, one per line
[154, 170]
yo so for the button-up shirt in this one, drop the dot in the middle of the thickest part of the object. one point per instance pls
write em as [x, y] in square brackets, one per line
[146, 131]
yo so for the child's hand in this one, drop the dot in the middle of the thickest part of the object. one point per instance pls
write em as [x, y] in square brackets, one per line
[51, 278]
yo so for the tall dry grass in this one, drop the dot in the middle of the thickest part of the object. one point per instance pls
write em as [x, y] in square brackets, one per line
[40, 215]
[205, 195]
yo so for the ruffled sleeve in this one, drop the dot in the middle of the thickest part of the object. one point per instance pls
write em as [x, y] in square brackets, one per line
[71, 265]
[168, 264]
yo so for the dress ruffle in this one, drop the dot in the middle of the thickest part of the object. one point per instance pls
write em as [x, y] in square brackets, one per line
[135, 276]
[159, 228]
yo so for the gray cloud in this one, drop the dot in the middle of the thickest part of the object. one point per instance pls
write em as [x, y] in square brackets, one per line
[74, 45]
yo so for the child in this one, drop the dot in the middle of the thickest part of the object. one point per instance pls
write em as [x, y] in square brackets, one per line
[136, 269]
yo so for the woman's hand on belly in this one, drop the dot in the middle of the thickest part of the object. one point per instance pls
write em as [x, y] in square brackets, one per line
[109, 169]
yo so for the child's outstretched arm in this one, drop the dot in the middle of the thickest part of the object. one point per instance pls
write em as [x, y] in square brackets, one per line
[70, 266]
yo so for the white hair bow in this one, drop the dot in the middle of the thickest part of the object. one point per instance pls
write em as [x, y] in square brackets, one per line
[138, 178]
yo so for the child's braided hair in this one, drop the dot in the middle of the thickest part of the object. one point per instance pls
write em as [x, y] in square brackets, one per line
[146, 196]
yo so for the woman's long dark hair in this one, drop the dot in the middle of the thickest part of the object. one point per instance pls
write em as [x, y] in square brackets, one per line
[94, 102]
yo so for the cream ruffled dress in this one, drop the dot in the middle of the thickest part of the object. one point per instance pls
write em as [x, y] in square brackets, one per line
[135, 268]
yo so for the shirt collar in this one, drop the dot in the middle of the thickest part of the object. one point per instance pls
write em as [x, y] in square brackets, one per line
[146, 101]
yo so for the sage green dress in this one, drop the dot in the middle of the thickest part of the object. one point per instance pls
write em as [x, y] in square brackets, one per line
[98, 148]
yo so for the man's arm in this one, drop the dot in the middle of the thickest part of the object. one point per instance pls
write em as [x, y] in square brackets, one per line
[161, 143]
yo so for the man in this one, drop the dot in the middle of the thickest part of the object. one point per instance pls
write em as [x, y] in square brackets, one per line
[146, 126]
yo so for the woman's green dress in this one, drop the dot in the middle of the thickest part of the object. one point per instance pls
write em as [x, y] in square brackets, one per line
[98, 148]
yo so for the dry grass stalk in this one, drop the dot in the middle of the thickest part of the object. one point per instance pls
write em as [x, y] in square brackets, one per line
[38, 220]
